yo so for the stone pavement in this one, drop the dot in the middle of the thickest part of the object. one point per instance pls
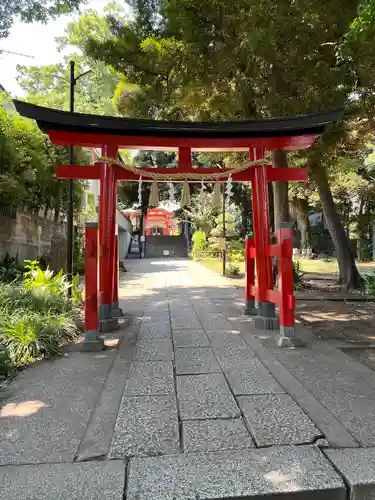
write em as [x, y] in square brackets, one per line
[193, 403]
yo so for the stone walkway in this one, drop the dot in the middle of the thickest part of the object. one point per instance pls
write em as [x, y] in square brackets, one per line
[192, 403]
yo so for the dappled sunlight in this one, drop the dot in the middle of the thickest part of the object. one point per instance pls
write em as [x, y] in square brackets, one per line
[278, 478]
[24, 409]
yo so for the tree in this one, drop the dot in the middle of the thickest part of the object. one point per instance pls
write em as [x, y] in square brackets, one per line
[27, 168]
[33, 10]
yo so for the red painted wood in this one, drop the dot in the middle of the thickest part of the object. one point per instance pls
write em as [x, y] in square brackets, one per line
[249, 268]
[116, 272]
[184, 159]
[261, 225]
[107, 225]
[63, 138]
[91, 279]
[285, 277]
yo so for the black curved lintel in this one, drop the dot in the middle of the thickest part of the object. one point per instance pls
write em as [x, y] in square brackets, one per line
[51, 119]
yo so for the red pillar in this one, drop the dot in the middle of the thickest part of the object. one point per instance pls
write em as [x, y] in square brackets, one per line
[107, 226]
[285, 280]
[115, 301]
[250, 308]
[261, 226]
[92, 341]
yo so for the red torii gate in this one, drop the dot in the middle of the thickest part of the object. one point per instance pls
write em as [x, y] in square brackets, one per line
[254, 136]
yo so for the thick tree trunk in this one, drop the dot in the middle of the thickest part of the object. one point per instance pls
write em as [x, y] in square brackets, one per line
[299, 209]
[349, 275]
[280, 190]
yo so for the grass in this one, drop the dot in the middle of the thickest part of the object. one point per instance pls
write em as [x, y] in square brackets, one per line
[323, 267]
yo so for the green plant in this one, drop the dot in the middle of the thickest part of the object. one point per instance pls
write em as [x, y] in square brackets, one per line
[369, 283]
[10, 269]
[298, 280]
[44, 281]
[233, 270]
[5, 362]
[199, 244]
[76, 291]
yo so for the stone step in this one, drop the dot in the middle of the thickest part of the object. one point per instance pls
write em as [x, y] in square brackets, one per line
[298, 473]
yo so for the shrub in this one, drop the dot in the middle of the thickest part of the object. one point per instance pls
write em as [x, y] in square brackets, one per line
[10, 269]
[36, 316]
[233, 270]
[369, 283]
[199, 244]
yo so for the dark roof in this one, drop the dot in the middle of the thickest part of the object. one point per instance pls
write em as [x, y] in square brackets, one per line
[52, 119]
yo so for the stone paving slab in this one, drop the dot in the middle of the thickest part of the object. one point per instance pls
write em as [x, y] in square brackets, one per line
[81, 481]
[358, 469]
[276, 419]
[186, 323]
[146, 425]
[215, 435]
[249, 377]
[196, 360]
[205, 396]
[214, 321]
[150, 378]
[155, 330]
[49, 406]
[345, 387]
[229, 345]
[154, 350]
[298, 473]
[190, 338]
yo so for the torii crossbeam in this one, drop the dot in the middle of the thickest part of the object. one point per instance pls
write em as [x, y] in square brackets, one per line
[254, 136]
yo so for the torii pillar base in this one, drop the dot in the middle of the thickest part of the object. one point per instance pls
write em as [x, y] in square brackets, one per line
[266, 319]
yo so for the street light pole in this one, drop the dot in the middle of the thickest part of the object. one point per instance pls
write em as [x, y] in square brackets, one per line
[70, 228]
[70, 222]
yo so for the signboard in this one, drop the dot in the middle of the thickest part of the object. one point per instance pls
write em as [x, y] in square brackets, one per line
[165, 253]
[143, 238]
[222, 244]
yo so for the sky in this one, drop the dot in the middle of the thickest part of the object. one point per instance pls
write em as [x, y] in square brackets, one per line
[37, 40]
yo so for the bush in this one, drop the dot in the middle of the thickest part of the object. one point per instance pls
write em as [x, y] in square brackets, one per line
[10, 269]
[199, 244]
[36, 317]
[233, 270]
[369, 283]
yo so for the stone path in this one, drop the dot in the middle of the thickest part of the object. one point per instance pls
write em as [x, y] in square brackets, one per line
[193, 403]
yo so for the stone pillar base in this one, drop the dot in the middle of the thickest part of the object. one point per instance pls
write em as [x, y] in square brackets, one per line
[250, 308]
[104, 311]
[264, 323]
[291, 342]
[116, 312]
[108, 325]
[93, 345]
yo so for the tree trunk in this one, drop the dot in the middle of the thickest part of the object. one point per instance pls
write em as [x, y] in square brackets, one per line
[299, 209]
[280, 190]
[349, 275]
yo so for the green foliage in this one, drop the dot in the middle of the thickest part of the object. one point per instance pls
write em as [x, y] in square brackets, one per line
[27, 168]
[298, 274]
[369, 283]
[233, 269]
[36, 317]
[10, 269]
[199, 244]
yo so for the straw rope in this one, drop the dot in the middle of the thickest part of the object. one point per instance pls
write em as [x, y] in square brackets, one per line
[180, 176]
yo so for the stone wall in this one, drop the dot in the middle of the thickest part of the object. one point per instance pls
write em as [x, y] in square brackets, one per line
[30, 236]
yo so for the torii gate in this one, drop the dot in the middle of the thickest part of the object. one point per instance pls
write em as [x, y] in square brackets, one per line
[253, 136]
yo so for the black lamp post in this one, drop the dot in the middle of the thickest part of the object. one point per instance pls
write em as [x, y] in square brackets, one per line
[69, 254]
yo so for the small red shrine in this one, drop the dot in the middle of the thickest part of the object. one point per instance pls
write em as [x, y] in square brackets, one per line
[254, 136]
